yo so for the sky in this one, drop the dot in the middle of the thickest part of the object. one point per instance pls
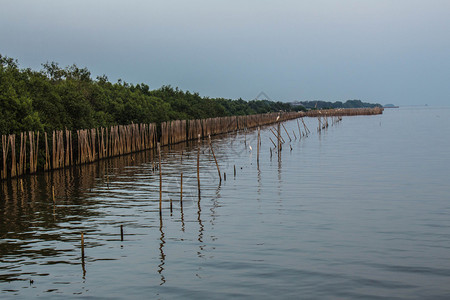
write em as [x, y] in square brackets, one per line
[378, 51]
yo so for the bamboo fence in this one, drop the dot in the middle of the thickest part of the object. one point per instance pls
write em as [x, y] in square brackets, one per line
[89, 145]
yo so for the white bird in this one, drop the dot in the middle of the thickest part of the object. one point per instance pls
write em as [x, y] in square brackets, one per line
[278, 118]
[250, 147]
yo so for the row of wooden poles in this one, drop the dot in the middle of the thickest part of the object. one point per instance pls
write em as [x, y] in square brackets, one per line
[344, 112]
[64, 148]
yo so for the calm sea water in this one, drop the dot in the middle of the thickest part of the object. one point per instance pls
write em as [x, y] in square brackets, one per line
[360, 211]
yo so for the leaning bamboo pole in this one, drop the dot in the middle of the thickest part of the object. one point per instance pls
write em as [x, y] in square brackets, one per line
[215, 159]
[287, 133]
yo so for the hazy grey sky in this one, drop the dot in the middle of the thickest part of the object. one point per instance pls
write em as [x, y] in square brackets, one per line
[385, 51]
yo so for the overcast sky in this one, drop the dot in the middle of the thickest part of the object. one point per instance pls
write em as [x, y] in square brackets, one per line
[384, 51]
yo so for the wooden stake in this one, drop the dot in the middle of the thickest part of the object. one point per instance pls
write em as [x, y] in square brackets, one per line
[212, 150]
[198, 165]
[257, 146]
[160, 180]
[279, 140]
[306, 128]
[5, 146]
[181, 190]
[272, 142]
[121, 233]
[290, 140]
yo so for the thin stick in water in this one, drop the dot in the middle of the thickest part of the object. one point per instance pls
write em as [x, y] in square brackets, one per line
[290, 140]
[198, 164]
[181, 190]
[160, 179]
[257, 146]
[214, 155]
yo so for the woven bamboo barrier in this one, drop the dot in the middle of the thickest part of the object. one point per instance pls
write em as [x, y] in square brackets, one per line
[88, 145]
[344, 112]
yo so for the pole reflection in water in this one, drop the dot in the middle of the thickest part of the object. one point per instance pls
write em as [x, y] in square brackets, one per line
[118, 191]
[161, 251]
[181, 197]
[259, 183]
[83, 266]
[201, 228]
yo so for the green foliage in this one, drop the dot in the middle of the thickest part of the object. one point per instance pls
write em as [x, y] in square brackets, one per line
[59, 98]
[338, 104]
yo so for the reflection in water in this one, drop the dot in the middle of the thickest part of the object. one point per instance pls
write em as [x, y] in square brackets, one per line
[201, 227]
[37, 228]
[215, 204]
[329, 238]
[182, 216]
[279, 170]
[83, 266]
[259, 183]
[162, 254]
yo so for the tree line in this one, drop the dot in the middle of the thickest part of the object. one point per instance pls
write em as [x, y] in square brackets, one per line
[318, 104]
[56, 98]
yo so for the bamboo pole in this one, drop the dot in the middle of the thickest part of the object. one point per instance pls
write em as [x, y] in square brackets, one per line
[22, 154]
[279, 140]
[290, 140]
[47, 158]
[5, 146]
[54, 150]
[160, 180]
[306, 128]
[181, 189]
[198, 165]
[214, 155]
[12, 142]
[257, 145]
[31, 138]
[272, 142]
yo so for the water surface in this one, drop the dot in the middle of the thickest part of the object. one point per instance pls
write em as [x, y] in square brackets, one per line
[359, 211]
